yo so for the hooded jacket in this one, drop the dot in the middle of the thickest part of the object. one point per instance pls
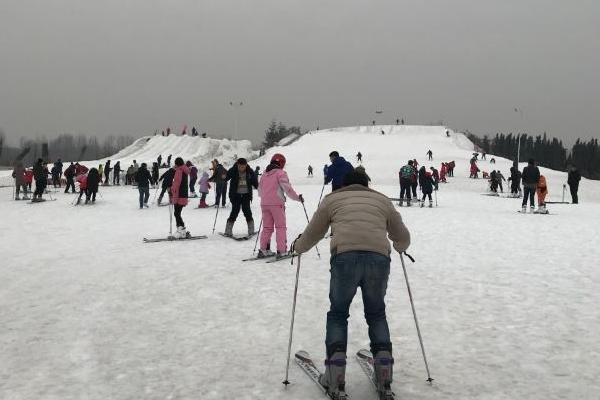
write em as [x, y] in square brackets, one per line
[204, 184]
[274, 185]
[233, 175]
[179, 188]
[337, 171]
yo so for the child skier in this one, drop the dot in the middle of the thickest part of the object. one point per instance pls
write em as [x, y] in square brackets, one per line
[272, 188]
[179, 196]
[542, 192]
[204, 188]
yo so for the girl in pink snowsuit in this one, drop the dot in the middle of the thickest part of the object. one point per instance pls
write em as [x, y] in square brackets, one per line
[272, 188]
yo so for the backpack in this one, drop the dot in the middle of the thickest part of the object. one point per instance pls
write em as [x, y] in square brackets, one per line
[406, 172]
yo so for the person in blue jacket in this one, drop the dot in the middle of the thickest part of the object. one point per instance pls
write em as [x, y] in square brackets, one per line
[337, 170]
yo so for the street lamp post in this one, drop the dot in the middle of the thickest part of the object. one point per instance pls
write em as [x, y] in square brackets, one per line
[236, 106]
[520, 111]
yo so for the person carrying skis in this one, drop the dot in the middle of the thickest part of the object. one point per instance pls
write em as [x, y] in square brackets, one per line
[69, 175]
[41, 180]
[427, 184]
[573, 180]
[19, 175]
[107, 170]
[337, 170]
[167, 181]
[193, 178]
[219, 177]
[143, 179]
[117, 173]
[430, 154]
[273, 187]
[240, 194]
[531, 178]
[204, 188]
[542, 192]
[361, 220]
[405, 176]
[179, 196]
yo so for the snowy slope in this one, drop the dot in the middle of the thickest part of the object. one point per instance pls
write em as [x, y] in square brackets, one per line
[507, 302]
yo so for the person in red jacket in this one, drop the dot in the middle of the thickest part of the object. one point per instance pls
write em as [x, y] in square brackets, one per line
[443, 172]
[29, 178]
[179, 192]
[80, 169]
[82, 179]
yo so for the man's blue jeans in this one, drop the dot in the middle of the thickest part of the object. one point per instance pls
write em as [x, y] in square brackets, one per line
[350, 270]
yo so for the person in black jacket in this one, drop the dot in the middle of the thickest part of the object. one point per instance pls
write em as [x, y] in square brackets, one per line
[515, 180]
[167, 181]
[143, 179]
[426, 183]
[107, 170]
[69, 174]
[573, 181]
[93, 180]
[219, 177]
[242, 180]
[531, 177]
[117, 173]
[154, 174]
[41, 180]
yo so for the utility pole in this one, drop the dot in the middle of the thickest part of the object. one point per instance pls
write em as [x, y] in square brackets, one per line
[520, 111]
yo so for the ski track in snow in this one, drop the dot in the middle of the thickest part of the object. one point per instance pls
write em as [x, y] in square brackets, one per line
[507, 302]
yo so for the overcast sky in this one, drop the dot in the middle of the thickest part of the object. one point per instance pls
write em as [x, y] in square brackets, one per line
[133, 66]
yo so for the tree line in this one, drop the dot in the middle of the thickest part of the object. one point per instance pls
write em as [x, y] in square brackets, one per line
[66, 147]
[550, 153]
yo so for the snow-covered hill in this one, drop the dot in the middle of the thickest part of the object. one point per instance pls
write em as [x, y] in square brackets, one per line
[508, 303]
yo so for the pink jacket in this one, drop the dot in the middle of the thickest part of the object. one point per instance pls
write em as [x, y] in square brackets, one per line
[177, 189]
[273, 187]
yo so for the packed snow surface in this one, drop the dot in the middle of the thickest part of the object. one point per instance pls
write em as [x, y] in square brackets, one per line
[507, 303]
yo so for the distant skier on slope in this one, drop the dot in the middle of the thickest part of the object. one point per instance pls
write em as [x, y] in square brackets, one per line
[359, 157]
[179, 196]
[273, 187]
[337, 170]
[310, 170]
[106, 171]
[362, 219]
[430, 155]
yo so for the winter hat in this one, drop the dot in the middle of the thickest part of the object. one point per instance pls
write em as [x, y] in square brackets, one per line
[356, 178]
[334, 154]
[179, 161]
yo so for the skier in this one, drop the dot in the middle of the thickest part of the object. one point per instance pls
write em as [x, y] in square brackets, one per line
[101, 169]
[143, 178]
[240, 194]
[450, 166]
[272, 189]
[515, 180]
[573, 180]
[29, 178]
[337, 170]
[405, 176]
[41, 180]
[169, 160]
[443, 172]
[167, 181]
[414, 181]
[154, 174]
[430, 155]
[69, 175]
[359, 157]
[193, 176]
[204, 188]
[474, 169]
[159, 160]
[55, 172]
[500, 178]
[436, 177]
[93, 180]
[447, 133]
[382, 132]
[219, 177]
[129, 176]
[82, 180]
[80, 169]
[117, 173]
[19, 175]
[531, 178]
[257, 172]
[59, 165]
[493, 182]
[542, 192]
[107, 170]
[179, 196]
[427, 184]
[310, 170]
[136, 167]
[362, 219]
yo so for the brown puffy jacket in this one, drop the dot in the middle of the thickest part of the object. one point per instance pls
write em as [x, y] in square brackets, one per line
[361, 219]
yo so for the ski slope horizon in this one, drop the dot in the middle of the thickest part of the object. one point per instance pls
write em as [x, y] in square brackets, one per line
[507, 303]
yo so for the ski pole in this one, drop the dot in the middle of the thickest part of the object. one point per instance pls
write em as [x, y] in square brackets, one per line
[171, 220]
[308, 221]
[435, 193]
[287, 369]
[257, 235]
[412, 305]
[321, 196]
[564, 188]
[216, 215]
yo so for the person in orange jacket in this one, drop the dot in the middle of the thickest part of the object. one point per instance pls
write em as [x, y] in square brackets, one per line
[542, 192]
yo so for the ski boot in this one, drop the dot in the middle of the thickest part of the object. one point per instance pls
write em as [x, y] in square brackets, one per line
[228, 229]
[250, 227]
[334, 377]
[524, 209]
[383, 364]
[532, 209]
[422, 204]
[265, 253]
[400, 203]
[430, 204]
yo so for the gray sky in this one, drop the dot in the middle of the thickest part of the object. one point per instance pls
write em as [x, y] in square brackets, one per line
[133, 66]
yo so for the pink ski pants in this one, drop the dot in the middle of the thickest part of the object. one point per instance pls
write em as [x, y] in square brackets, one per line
[273, 219]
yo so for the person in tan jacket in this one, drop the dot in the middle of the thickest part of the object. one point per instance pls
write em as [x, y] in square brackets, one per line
[361, 221]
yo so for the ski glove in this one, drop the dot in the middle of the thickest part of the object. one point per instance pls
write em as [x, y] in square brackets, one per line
[301, 199]
[293, 246]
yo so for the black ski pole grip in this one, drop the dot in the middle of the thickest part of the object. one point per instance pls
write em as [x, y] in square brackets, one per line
[409, 256]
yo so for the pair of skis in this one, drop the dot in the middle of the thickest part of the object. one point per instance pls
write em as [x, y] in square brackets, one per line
[238, 238]
[174, 239]
[271, 258]
[365, 360]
